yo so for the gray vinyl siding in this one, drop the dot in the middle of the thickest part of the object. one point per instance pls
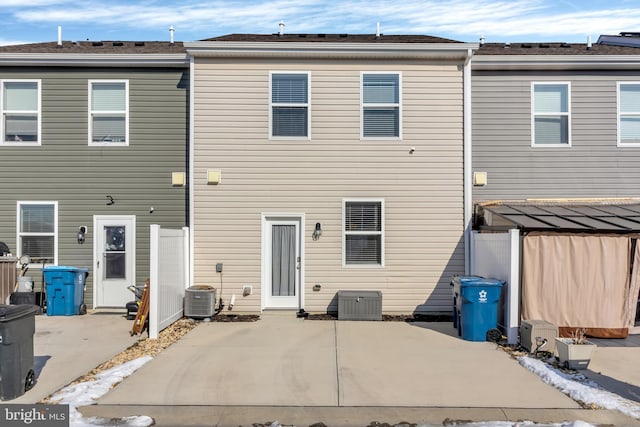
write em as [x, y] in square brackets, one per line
[422, 191]
[79, 177]
[594, 166]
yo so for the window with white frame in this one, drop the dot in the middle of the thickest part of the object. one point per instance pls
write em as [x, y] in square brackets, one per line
[21, 112]
[290, 105]
[108, 112]
[363, 242]
[38, 231]
[551, 119]
[629, 113]
[381, 115]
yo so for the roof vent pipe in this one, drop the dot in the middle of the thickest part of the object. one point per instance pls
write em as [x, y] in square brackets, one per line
[481, 40]
[588, 42]
[281, 32]
[171, 31]
[377, 30]
[59, 36]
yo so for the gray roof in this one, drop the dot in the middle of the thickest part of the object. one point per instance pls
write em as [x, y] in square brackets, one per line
[97, 47]
[573, 216]
[330, 38]
[556, 48]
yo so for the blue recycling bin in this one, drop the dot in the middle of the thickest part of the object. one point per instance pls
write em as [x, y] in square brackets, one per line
[456, 283]
[65, 290]
[479, 302]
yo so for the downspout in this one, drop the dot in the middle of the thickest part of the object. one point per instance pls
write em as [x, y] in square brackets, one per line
[191, 178]
[466, 156]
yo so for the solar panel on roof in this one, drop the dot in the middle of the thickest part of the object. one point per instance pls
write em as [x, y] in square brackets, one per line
[561, 222]
[526, 221]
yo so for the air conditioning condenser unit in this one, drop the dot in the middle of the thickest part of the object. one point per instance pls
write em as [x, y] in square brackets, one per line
[199, 301]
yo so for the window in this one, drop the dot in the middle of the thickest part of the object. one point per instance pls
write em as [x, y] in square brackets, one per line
[38, 231]
[628, 114]
[21, 112]
[381, 116]
[363, 232]
[108, 113]
[290, 105]
[551, 121]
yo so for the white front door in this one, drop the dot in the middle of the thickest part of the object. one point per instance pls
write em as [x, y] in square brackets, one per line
[282, 262]
[114, 259]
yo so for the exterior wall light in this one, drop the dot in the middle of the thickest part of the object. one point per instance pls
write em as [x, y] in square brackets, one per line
[317, 232]
[82, 230]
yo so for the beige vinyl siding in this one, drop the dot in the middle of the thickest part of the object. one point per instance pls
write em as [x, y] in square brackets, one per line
[422, 191]
[592, 167]
[65, 169]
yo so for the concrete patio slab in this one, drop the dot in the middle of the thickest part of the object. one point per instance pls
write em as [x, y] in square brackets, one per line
[67, 347]
[284, 361]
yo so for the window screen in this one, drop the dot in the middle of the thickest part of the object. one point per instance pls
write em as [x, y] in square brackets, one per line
[629, 113]
[380, 105]
[551, 114]
[36, 225]
[290, 105]
[109, 112]
[20, 107]
[363, 232]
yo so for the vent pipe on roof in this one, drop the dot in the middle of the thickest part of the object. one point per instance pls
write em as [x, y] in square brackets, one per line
[481, 40]
[588, 42]
[377, 30]
[281, 32]
[171, 31]
[59, 36]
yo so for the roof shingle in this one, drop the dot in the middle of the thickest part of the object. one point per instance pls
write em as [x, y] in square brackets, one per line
[92, 47]
[330, 38]
[556, 48]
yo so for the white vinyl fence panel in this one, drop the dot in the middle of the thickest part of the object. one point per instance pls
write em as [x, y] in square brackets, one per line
[169, 276]
[497, 256]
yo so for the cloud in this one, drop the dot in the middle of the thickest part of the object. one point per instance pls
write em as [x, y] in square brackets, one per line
[32, 3]
[460, 19]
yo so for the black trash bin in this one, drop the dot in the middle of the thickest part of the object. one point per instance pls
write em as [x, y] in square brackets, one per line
[17, 326]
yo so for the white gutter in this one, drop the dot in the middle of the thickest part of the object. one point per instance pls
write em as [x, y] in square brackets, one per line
[453, 51]
[190, 179]
[467, 158]
[555, 62]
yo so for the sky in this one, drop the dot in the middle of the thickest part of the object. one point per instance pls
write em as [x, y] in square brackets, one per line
[575, 385]
[571, 21]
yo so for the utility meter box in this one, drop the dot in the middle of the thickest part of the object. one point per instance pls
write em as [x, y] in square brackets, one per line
[533, 334]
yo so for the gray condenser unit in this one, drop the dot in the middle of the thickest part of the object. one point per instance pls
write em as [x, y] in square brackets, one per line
[199, 301]
[359, 305]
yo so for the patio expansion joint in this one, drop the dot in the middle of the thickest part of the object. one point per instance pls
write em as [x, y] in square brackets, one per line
[335, 342]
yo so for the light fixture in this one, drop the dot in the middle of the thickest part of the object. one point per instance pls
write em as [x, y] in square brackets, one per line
[317, 232]
[177, 179]
[213, 176]
[479, 179]
[82, 230]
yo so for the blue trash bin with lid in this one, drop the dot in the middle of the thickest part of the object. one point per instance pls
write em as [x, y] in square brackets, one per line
[479, 308]
[65, 290]
[456, 283]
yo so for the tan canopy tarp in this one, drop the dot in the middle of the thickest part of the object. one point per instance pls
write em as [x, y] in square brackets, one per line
[580, 281]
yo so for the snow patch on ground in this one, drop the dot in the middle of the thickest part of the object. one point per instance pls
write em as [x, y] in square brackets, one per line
[578, 387]
[88, 392]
